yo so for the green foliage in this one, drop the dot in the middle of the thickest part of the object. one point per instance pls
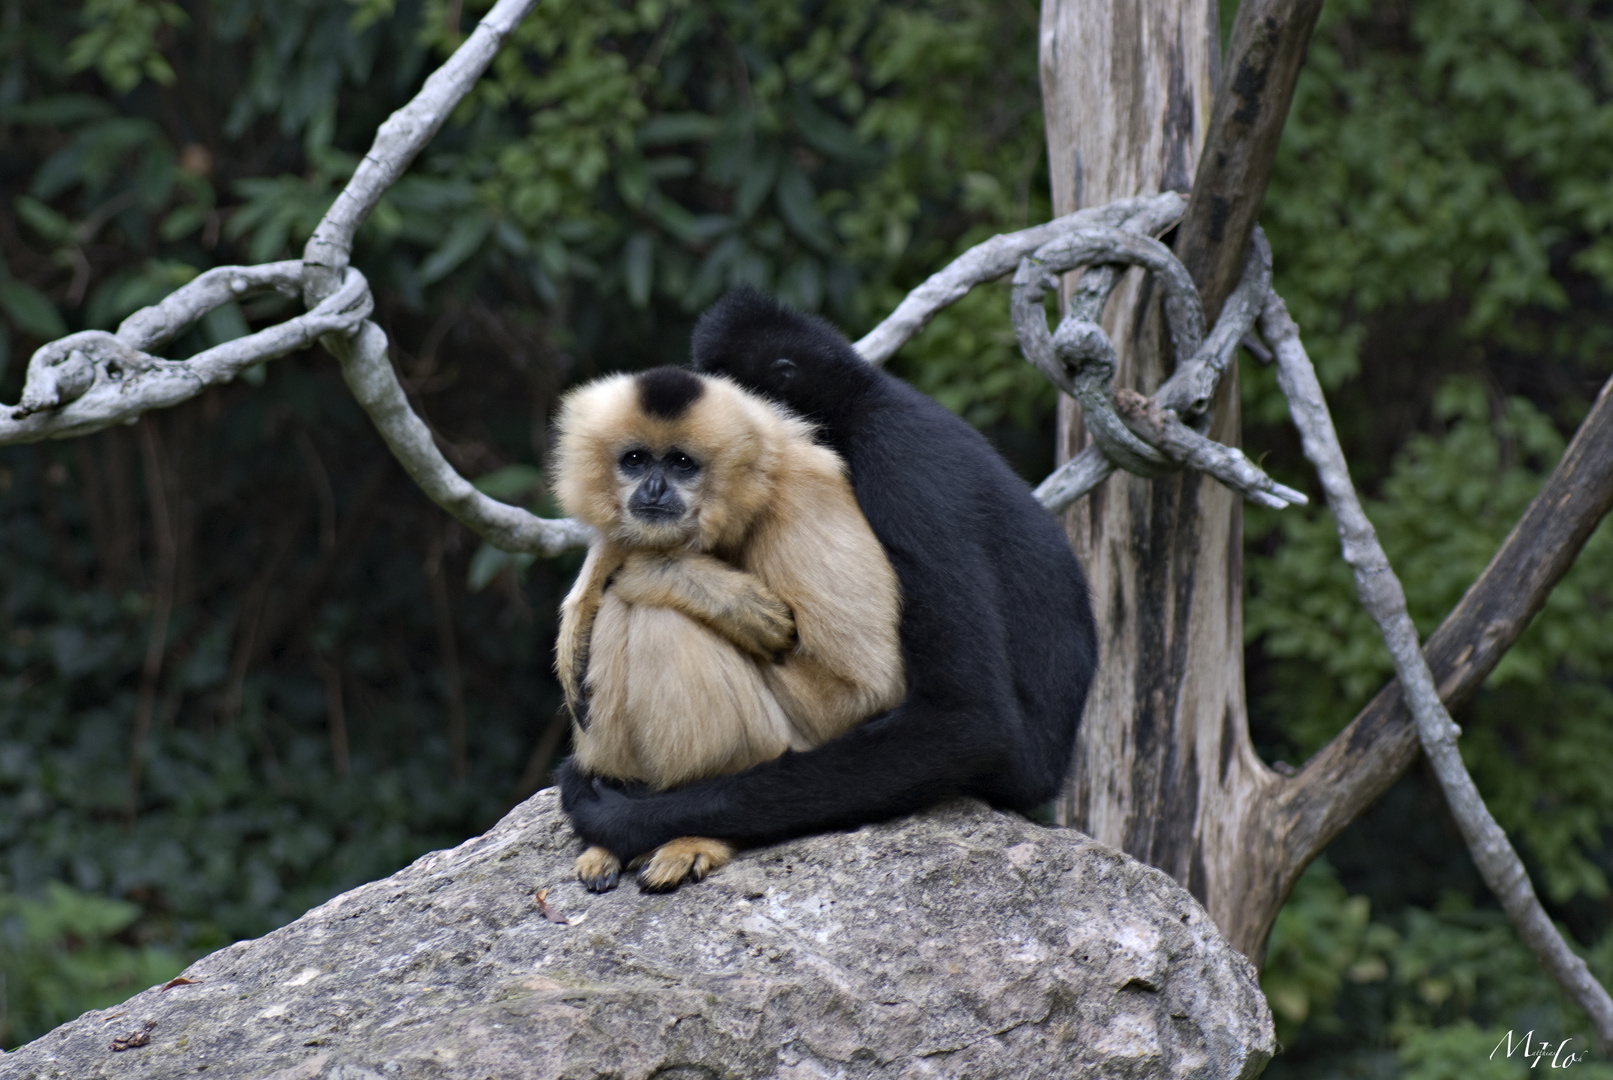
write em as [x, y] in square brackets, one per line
[1445, 507]
[1537, 739]
[242, 817]
[1448, 155]
[120, 42]
[1428, 995]
[1322, 937]
[61, 953]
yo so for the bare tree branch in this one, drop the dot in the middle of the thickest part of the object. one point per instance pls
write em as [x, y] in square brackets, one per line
[1191, 387]
[999, 256]
[369, 375]
[1359, 764]
[366, 365]
[1097, 246]
[91, 380]
[1160, 427]
[404, 134]
[1263, 58]
[1385, 601]
[1074, 479]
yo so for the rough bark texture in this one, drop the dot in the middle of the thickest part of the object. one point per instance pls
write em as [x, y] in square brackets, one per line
[958, 943]
[1164, 768]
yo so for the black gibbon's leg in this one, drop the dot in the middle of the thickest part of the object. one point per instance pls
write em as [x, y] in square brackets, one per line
[997, 631]
[572, 783]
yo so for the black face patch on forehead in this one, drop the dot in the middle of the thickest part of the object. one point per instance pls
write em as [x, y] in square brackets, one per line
[667, 392]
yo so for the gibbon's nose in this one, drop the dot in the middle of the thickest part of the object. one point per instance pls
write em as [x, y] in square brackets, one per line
[655, 499]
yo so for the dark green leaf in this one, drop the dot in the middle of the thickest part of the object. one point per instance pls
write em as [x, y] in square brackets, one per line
[799, 207]
[638, 265]
[676, 128]
[60, 112]
[46, 222]
[827, 135]
[465, 235]
[757, 183]
[30, 311]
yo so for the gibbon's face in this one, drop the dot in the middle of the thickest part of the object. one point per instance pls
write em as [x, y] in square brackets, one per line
[668, 459]
[660, 493]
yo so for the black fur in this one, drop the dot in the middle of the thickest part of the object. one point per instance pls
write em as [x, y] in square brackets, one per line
[668, 392]
[997, 630]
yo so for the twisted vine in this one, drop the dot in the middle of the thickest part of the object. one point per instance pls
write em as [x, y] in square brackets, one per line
[1145, 436]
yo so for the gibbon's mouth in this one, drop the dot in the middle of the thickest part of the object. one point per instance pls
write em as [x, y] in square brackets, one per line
[657, 515]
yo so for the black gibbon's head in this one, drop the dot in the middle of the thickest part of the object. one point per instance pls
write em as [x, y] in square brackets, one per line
[667, 458]
[796, 359]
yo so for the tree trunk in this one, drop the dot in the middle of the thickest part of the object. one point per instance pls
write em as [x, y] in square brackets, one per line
[1164, 768]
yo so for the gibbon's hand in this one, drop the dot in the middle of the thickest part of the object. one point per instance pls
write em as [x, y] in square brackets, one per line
[732, 603]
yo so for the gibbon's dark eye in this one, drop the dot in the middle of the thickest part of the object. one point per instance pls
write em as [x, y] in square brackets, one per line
[634, 460]
[683, 463]
[784, 368]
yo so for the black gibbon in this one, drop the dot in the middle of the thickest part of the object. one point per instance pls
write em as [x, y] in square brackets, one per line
[996, 626]
[734, 605]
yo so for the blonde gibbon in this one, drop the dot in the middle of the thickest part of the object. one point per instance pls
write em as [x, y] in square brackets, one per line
[734, 605]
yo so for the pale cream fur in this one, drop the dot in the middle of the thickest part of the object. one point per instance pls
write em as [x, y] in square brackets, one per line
[684, 631]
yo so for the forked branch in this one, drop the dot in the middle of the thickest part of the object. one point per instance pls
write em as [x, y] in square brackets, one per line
[93, 379]
[1147, 215]
[1354, 769]
[1385, 601]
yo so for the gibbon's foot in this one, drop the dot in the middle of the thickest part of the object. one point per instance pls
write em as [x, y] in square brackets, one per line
[688, 858]
[598, 869]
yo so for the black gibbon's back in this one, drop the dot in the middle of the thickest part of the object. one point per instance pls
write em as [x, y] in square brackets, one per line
[997, 630]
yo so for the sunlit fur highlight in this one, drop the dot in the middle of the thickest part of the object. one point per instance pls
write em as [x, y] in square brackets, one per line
[668, 639]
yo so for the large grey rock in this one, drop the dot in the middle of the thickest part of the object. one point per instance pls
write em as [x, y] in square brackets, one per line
[957, 943]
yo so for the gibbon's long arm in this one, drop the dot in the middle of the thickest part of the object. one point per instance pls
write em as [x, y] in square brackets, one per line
[733, 603]
[996, 630]
[577, 614]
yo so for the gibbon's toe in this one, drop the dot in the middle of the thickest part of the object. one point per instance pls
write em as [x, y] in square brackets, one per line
[688, 858]
[598, 869]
